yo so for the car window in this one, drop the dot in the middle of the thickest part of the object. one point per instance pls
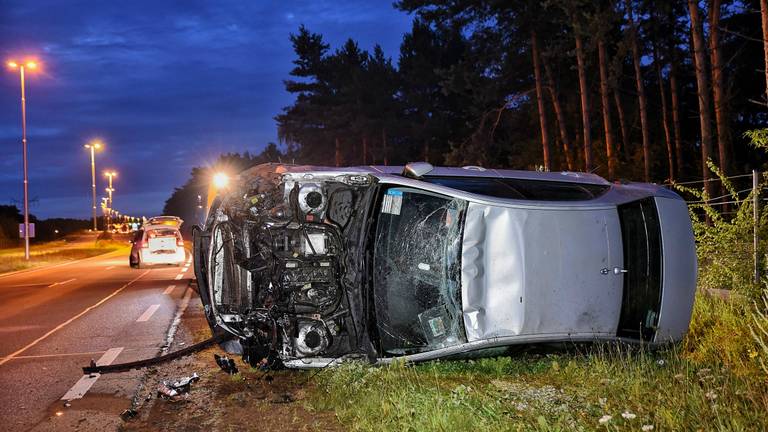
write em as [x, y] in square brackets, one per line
[161, 232]
[417, 271]
[522, 189]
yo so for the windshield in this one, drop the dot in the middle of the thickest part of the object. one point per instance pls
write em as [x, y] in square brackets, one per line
[417, 271]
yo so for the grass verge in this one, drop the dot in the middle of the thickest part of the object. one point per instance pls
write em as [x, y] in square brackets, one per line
[712, 381]
[53, 253]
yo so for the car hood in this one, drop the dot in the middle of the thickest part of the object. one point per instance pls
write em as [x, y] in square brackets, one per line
[538, 273]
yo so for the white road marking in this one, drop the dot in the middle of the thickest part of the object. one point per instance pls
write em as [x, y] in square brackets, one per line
[169, 289]
[179, 276]
[109, 268]
[185, 269]
[85, 383]
[67, 322]
[148, 313]
[61, 283]
[176, 320]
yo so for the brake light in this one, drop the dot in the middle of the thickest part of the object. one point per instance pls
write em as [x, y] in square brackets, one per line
[179, 240]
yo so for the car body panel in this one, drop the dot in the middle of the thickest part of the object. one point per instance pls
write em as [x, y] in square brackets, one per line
[535, 272]
[680, 269]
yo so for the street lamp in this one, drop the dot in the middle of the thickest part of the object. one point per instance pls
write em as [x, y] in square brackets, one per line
[93, 146]
[110, 189]
[219, 181]
[110, 175]
[31, 65]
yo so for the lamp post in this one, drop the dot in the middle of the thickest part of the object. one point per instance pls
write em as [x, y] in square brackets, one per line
[93, 146]
[20, 66]
[110, 189]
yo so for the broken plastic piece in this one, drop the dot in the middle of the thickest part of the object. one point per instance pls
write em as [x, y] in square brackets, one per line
[183, 385]
[226, 364]
[165, 392]
[128, 414]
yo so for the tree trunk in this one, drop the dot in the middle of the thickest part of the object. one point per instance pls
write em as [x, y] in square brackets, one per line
[384, 145]
[702, 89]
[764, 16]
[664, 114]
[622, 122]
[583, 89]
[718, 92]
[540, 100]
[337, 154]
[606, 110]
[640, 94]
[675, 111]
[559, 114]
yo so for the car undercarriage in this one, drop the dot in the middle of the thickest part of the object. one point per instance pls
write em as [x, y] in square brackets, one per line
[280, 263]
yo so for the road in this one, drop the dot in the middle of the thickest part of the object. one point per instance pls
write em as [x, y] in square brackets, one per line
[54, 320]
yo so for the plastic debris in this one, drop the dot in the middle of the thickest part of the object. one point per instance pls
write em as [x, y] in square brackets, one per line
[165, 392]
[172, 390]
[183, 385]
[226, 364]
[128, 414]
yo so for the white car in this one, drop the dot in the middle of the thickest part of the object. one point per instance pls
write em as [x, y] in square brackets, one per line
[159, 243]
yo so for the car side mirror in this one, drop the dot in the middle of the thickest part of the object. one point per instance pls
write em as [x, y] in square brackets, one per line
[417, 170]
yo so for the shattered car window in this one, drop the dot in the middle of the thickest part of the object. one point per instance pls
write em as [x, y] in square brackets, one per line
[417, 271]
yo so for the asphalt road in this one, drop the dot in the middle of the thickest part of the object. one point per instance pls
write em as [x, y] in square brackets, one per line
[53, 321]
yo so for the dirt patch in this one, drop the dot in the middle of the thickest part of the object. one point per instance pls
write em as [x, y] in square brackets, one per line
[272, 401]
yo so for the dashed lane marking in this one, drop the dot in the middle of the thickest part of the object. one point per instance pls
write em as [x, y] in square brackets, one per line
[179, 276]
[61, 283]
[169, 290]
[148, 313]
[85, 383]
[109, 268]
[67, 322]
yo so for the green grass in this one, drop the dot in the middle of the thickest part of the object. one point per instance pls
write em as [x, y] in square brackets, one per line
[53, 253]
[712, 381]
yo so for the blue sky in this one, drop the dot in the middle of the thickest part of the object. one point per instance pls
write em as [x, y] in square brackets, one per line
[167, 85]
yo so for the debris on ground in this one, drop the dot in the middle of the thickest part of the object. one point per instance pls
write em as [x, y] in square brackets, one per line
[128, 414]
[226, 364]
[171, 390]
[183, 385]
[165, 392]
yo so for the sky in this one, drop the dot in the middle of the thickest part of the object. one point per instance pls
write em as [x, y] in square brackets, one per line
[165, 85]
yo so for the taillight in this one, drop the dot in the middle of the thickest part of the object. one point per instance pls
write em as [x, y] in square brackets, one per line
[179, 240]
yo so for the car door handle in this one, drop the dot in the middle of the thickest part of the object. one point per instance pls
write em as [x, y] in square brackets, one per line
[618, 271]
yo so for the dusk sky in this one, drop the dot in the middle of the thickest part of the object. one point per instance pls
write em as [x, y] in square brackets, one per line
[166, 85]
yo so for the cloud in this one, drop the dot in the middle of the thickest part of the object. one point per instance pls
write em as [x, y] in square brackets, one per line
[167, 85]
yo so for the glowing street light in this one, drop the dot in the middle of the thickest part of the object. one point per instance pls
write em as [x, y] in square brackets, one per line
[31, 65]
[220, 180]
[93, 146]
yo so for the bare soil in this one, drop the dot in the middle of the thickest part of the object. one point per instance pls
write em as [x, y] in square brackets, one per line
[249, 400]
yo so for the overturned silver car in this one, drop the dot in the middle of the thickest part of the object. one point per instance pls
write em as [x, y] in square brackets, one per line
[309, 265]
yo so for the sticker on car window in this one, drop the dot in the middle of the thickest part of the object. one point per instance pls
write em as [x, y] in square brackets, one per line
[392, 202]
[437, 326]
